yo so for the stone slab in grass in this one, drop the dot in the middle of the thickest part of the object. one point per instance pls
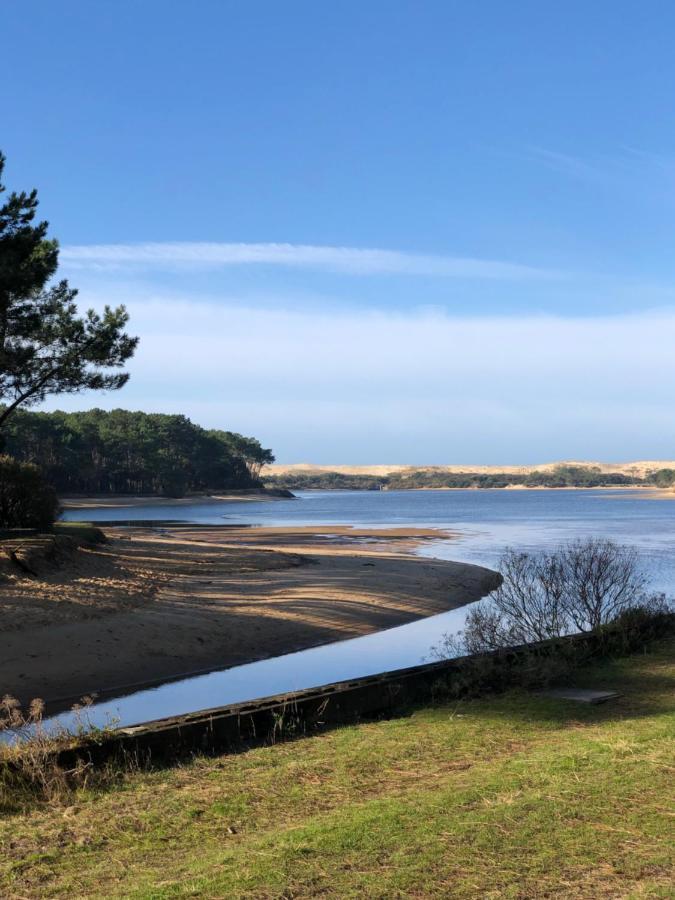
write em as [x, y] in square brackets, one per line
[581, 695]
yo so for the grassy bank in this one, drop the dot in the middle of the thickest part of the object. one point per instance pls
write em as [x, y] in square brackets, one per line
[509, 796]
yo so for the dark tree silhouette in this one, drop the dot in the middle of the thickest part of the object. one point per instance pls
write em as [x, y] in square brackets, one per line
[46, 347]
[123, 452]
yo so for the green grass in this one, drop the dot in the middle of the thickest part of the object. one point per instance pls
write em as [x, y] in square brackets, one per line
[506, 796]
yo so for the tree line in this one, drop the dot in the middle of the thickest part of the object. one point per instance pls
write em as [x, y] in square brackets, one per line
[123, 452]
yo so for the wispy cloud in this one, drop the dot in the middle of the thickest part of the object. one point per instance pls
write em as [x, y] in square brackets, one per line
[628, 169]
[350, 260]
[574, 166]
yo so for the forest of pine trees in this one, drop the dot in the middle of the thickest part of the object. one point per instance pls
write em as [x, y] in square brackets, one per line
[98, 452]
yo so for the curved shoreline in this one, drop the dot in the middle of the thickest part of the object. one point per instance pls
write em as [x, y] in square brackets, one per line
[228, 597]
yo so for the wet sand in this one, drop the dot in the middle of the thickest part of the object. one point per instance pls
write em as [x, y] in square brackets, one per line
[129, 501]
[173, 601]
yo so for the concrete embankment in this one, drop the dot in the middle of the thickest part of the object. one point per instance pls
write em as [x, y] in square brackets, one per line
[272, 719]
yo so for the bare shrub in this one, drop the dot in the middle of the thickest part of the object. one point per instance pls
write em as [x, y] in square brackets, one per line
[527, 606]
[601, 580]
[578, 587]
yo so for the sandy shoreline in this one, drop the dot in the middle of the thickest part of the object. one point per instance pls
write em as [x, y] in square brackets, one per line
[166, 603]
[646, 492]
[123, 501]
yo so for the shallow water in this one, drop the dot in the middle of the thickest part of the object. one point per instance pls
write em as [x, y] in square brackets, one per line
[394, 648]
[487, 521]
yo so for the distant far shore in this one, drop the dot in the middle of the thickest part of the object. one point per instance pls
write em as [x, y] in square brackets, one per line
[641, 488]
[124, 501]
[652, 475]
[638, 468]
[645, 491]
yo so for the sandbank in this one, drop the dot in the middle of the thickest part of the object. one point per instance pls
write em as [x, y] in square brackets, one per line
[153, 604]
[123, 501]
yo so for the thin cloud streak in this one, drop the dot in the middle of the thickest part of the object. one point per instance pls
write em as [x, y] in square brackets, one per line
[629, 170]
[349, 260]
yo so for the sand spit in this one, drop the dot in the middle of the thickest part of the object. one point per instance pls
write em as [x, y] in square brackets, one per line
[151, 605]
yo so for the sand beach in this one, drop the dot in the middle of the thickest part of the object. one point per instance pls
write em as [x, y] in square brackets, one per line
[153, 604]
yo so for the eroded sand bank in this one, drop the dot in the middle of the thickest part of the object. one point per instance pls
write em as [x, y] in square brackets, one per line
[150, 605]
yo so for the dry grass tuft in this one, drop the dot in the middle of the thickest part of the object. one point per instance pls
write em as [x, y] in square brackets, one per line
[30, 770]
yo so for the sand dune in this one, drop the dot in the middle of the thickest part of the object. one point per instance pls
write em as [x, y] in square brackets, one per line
[638, 468]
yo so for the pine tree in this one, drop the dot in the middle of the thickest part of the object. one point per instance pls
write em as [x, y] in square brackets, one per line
[46, 347]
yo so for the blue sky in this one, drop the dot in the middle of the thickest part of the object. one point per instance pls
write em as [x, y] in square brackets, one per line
[367, 232]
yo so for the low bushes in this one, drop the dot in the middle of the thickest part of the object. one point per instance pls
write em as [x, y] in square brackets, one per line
[26, 500]
[592, 588]
[550, 661]
[578, 587]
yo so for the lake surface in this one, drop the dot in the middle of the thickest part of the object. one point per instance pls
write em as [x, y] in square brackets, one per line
[487, 522]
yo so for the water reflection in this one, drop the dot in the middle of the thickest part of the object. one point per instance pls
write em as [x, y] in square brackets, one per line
[394, 648]
[487, 521]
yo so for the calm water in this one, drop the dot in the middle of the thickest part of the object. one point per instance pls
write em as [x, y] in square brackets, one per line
[487, 521]
[394, 648]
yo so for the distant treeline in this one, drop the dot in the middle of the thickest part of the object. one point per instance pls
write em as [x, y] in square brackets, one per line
[122, 452]
[415, 479]
[326, 481]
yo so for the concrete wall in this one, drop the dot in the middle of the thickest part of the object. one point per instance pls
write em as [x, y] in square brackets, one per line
[272, 719]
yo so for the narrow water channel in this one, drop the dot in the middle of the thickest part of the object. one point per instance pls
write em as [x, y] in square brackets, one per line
[393, 648]
[486, 521]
